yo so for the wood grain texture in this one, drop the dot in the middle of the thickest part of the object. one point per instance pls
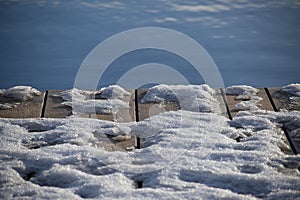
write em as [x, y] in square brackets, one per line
[54, 107]
[23, 109]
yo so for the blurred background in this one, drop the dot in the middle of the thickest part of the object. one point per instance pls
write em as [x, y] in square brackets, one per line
[43, 43]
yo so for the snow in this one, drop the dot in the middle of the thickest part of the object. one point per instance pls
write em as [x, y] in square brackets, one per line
[108, 100]
[99, 106]
[22, 93]
[184, 155]
[198, 98]
[292, 89]
[243, 91]
[113, 92]
[250, 104]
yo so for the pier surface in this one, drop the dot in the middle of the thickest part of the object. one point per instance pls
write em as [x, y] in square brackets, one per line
[50, 105]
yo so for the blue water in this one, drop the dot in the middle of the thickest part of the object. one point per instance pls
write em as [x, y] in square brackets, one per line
[43, 43]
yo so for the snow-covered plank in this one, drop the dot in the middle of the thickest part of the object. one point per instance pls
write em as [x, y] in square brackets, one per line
[17, 108]
[54, 107]
[284, 99]
[237, 103]
[146, 110]
[120, 114]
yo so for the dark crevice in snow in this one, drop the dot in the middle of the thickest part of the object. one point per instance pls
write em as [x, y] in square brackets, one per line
[36, 126]
[48, 144]
[44, 104]
[29, 175]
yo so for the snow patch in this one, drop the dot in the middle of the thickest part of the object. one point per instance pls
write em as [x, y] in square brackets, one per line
[108, 100]
[244, 92]
[250, 104]
[197, 98]
[292, 89]
[21, 93]
[113, 92]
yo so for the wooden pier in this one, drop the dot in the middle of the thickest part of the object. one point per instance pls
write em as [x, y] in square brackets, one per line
[49, 105]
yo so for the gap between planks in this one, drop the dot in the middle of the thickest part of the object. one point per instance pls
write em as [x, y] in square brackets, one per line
[287, 135]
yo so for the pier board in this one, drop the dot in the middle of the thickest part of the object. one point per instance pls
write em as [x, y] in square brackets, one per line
[31, 108]
[120, 115]
[146, 110]
[54, 107]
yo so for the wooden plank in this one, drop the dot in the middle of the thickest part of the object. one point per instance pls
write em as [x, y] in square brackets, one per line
[147, 110]
[122, 115]
[54, 107]
[232, 102]
[283, 100]
[23, 109]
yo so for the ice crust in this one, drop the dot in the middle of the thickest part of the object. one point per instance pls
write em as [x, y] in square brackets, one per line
[186, 155]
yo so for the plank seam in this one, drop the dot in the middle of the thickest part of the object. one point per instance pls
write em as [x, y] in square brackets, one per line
[290, 141]
[137, 117]
[44, 104]
[271, 100]
[139, 184]
[226, 104]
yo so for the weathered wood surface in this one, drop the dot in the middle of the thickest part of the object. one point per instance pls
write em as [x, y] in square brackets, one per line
[54, 107]
[23, 109]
